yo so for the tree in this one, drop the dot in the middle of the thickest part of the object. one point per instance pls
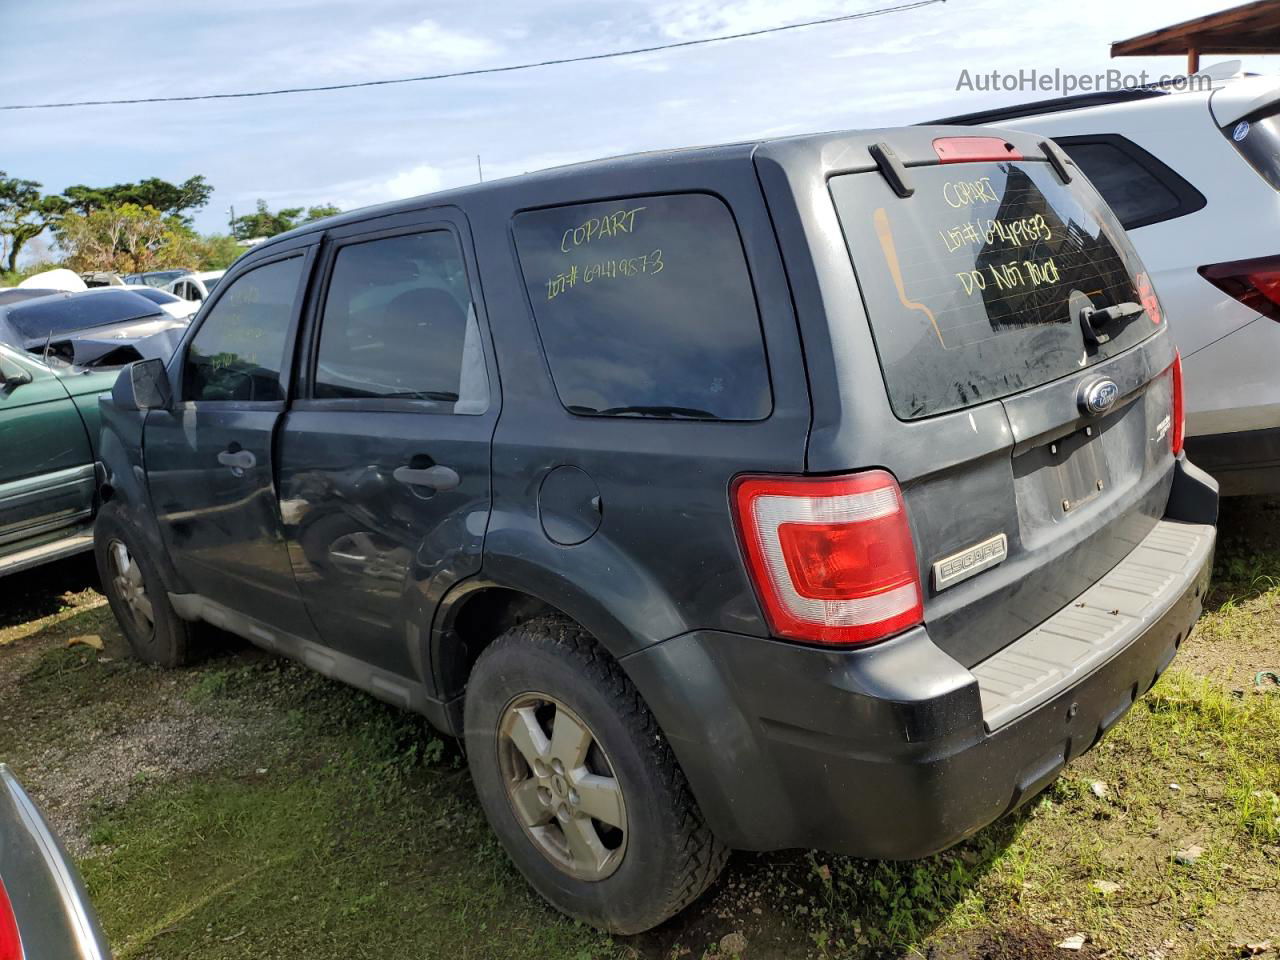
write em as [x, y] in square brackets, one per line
[168, 199]
[182, 248]
[321, 211]
[263, 223]
[127, 239]
[25, 213]
[217, 251]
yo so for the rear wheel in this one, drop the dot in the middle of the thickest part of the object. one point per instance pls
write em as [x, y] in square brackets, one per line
[138, 598]
[579, 783]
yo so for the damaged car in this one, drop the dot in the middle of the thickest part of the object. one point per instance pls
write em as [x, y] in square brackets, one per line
[57, 353]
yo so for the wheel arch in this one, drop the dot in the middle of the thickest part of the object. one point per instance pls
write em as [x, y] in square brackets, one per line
[479, 610]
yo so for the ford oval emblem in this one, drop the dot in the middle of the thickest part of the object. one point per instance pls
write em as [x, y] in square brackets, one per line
[1098, 396]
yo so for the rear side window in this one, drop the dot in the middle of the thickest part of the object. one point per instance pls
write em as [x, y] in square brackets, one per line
[398, 325]
[1258, 140]
[974, 285]
[1139, 188]
[645, 308]
[238, 352]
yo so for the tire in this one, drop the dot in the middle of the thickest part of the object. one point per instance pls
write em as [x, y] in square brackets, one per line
[166, 639]
[664, 855]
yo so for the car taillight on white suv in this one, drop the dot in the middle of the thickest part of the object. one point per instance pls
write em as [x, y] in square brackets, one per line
[1178, 431]
[10, 940]
[831, 557]
[1255, 283]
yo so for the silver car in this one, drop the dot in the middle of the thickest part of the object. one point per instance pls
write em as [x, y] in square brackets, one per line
[44, 911]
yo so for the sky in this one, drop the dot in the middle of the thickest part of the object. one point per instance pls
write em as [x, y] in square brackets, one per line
[357, 147]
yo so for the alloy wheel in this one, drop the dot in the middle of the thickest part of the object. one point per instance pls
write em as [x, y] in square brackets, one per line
[562, 787]
[126, 578]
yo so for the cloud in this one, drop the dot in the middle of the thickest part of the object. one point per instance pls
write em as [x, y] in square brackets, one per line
[415, 48]
[423, 47]
[415, 181]
[707, 18]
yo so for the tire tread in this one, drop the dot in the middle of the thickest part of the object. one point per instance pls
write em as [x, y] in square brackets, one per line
[700, 857]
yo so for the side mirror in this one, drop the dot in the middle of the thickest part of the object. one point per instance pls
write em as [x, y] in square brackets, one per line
[143, 385]
[12, 376]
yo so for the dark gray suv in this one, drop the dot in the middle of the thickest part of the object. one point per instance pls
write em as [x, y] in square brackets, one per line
[815, 492]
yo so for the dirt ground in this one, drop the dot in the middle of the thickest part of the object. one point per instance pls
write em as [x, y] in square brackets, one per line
[248, 808]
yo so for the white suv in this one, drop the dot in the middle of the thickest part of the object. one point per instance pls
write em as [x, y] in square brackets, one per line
[1195, 179]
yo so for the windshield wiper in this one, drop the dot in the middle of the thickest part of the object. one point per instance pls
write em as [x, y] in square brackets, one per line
[642, 410]
[1092, 318]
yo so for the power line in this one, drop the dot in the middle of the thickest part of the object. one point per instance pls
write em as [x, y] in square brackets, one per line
[864, 15]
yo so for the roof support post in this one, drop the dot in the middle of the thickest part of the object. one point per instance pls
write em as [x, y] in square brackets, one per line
[1193, 60]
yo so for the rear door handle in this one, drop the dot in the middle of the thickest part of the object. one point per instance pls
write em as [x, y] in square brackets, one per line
[437, 477]
[240, 460]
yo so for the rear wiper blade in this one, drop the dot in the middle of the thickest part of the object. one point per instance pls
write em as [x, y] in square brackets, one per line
[640, 410]
[1092, 319]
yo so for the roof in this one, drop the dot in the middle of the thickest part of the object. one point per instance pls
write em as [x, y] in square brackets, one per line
[1036, 108]
[1250, 28]
[455, 194]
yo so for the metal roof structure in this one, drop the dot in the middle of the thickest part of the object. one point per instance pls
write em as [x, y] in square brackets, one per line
[1249, 28]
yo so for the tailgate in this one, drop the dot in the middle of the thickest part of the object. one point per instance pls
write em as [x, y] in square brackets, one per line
[1026, 367]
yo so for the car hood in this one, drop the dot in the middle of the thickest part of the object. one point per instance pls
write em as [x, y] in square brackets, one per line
[114, 345]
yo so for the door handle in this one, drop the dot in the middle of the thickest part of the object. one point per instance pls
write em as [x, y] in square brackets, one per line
[237, 460]
[437, 477]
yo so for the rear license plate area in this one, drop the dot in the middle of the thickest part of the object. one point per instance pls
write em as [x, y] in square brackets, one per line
[1070, 471]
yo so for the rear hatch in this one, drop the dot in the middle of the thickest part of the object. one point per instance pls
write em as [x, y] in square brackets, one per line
[1248, 114]
[1025, 369]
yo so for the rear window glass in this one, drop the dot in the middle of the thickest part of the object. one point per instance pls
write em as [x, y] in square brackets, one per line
[645, 308]
[1134, 193]
[974, 285]
[40, 318]
[1258, 139]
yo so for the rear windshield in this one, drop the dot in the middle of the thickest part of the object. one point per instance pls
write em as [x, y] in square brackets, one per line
[40, 318]
[1258, 140]
[975, 284]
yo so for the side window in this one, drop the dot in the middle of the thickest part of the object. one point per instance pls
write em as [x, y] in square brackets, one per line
[238, 352]
[398, 324]
[645, 308]
[1138, 187]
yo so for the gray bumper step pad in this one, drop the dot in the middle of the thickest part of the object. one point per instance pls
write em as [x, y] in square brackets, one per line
[1101, 622]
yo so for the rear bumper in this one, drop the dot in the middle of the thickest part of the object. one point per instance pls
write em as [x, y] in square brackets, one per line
[898, 751]
[1243, 463]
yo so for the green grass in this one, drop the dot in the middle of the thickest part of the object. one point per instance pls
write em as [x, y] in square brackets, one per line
[337, 827]
[360, 839]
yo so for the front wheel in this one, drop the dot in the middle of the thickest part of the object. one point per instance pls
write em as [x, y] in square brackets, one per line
[579, 783]
[138, 598]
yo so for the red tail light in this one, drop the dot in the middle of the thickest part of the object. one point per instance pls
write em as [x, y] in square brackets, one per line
[1150, 302]
[1255, 283]
[10, 941]
[831, 557]
[1179, 428]
[973, 149]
